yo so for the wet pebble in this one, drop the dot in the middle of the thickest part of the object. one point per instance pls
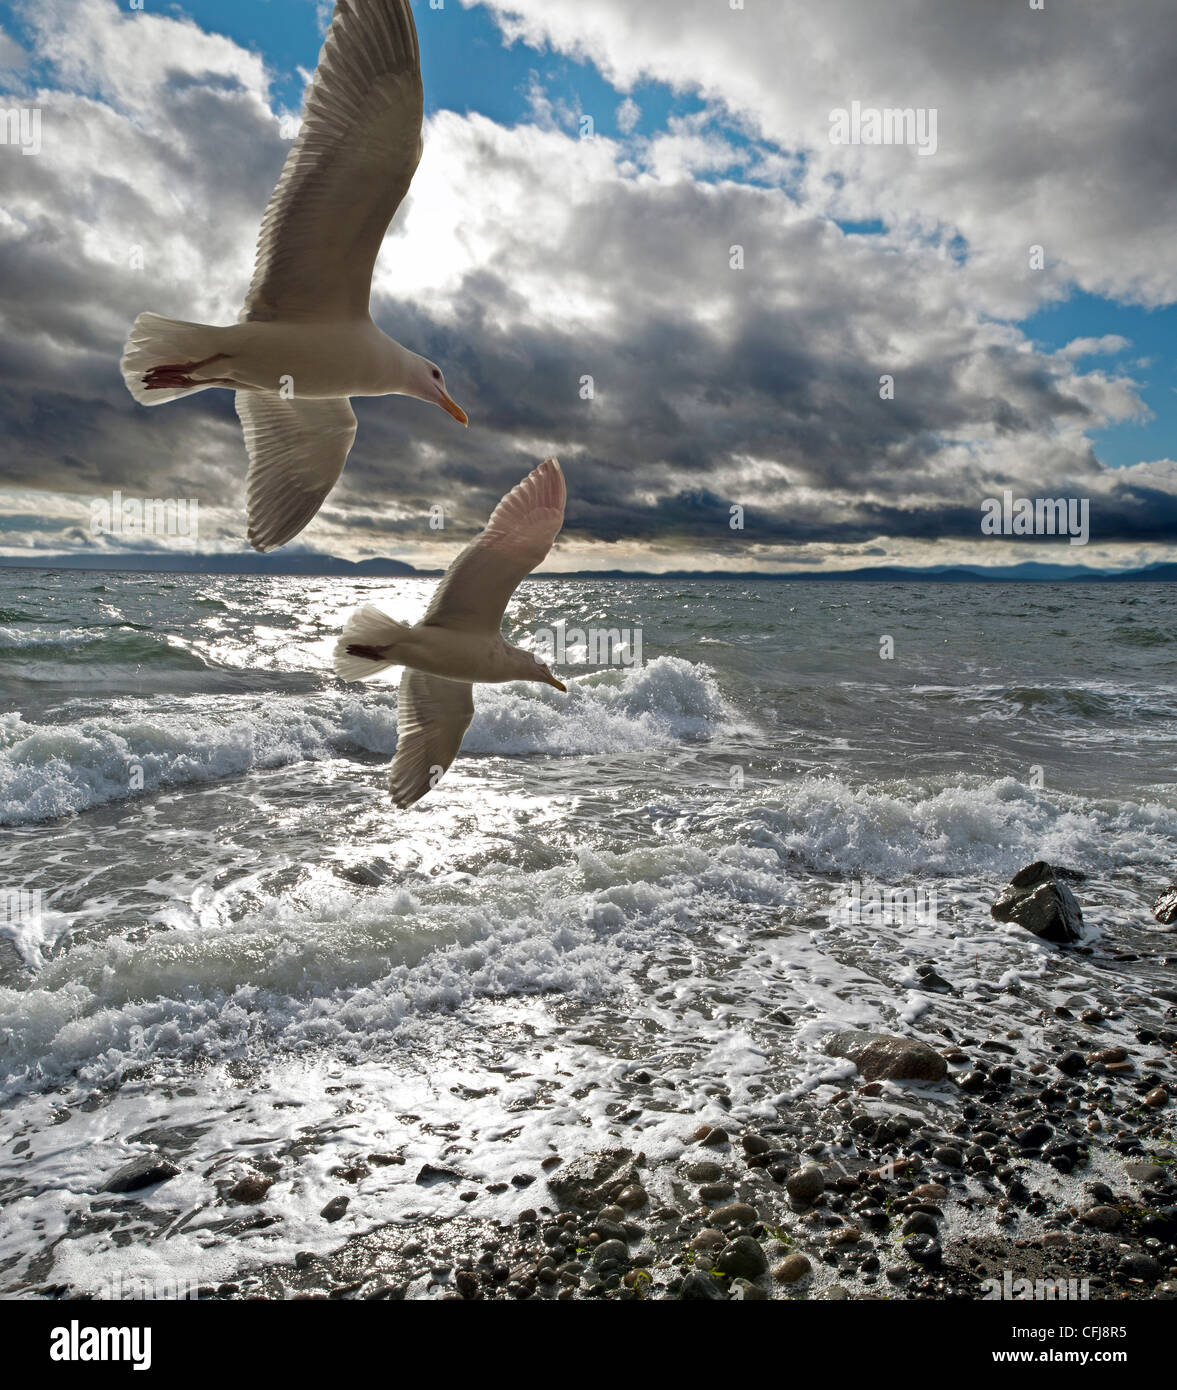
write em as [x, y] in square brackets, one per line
[792, 1268]
[806, 1184]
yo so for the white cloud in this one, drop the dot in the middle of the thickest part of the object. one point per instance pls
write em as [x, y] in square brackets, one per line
[1109, 344]
[1052, 124]
[629, 113]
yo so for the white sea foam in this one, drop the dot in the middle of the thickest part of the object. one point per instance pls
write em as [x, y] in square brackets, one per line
[326, 964]
[330, 966]
[51, 770]
[979, 828]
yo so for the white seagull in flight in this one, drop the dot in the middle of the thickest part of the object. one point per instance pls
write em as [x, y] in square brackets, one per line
[305, 341]
[459, 642]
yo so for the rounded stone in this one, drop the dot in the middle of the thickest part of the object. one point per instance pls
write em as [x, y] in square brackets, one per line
[705, 1171]
[792, 1268]
[633, 1197]
[615, 1251]
[806, 1184]
[1102, 1218]
[739, 1212]
[742, 1258]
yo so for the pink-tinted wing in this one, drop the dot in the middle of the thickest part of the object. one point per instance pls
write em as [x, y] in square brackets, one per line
[477, 587]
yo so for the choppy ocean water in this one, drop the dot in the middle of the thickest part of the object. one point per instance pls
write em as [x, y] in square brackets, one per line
[241, 954]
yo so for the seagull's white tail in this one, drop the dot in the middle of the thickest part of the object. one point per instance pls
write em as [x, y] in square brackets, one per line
[363, 649]
[157, 344]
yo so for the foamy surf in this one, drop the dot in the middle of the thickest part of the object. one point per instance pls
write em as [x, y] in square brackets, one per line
[53, 770]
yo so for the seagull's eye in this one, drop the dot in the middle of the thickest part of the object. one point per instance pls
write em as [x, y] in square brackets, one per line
[436, 374]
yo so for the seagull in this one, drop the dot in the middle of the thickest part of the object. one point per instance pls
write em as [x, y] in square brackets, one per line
[305, 341]
[459, 642]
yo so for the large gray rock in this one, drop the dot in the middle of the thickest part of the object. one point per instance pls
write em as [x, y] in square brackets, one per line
[1165, 907]
[141, 1172]
[595, 1179]
[880, 1057]
[1039, 900]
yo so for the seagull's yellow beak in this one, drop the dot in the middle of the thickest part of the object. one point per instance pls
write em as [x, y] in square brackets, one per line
[558, 684]
[451, 407]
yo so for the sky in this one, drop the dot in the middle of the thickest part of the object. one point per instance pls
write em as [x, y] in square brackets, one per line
[903, 333]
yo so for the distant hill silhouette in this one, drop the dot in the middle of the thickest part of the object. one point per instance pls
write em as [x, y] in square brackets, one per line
[308, 563]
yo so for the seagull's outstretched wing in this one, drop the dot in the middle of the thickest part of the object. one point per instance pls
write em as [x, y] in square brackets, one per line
[477, 587]
[432, 716]
[297, 449]
[348, 172]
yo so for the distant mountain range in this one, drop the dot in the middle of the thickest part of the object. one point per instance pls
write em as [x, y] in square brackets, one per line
[312, 564]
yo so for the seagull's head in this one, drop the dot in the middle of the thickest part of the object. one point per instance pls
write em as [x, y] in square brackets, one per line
[428, 384]
[533, 669]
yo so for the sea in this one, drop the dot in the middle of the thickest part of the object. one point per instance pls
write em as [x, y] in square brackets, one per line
[221, 945]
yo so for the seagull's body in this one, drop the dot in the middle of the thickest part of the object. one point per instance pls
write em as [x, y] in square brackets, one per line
[306, 342]
[459, 643]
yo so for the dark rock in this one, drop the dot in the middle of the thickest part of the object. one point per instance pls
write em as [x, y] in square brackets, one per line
[1071, 1063]
[925, 1250]
[335, 1209]
[431, 1174]
[739, 1212]
[615, 1251]
[1034, 1136]
[742, 1258]
[610, 1230]
[919, 1224]
[141, 1172]
[806, 1184]
[1161, 1225]
[595, 1179]
[712, 1135]
[1038, 900]
[702, 1286]
[933, 981]
[1139, 1266]
[250, 1189]
[880, 1057]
